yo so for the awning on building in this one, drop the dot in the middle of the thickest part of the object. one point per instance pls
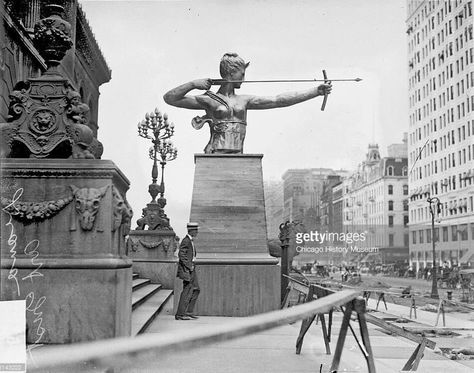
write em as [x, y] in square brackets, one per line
[467, 257]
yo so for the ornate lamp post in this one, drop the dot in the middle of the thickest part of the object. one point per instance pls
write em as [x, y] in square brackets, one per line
[435, 207]
[156, 128]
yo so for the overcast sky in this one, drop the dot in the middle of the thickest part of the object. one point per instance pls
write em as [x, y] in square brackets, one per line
[153, 46]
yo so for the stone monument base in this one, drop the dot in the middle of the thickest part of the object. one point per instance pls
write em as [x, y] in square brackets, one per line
[68, 264]
[153, 257]
[236, 274]
[233, 288]
[74, 300]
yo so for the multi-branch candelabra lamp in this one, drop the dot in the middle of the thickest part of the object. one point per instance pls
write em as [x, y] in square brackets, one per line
[159, 130]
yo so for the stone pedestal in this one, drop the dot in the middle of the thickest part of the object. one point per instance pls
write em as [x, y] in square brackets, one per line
[63, 249]
[152, 252]
[236, 274]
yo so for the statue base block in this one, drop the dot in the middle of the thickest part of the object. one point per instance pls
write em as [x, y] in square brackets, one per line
[236, 274]
[153, 255]
[68, 265]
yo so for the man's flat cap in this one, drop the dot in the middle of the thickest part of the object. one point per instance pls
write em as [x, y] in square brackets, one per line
[193, 225]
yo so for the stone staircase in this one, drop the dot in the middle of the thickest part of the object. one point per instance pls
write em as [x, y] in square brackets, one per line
[147, 301]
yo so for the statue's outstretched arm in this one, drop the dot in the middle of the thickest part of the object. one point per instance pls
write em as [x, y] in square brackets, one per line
[177, 96]
[287, 99]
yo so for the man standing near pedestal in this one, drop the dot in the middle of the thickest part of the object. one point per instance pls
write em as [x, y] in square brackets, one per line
[187, 273]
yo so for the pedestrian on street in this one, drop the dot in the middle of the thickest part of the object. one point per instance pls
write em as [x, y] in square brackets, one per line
[187, 273]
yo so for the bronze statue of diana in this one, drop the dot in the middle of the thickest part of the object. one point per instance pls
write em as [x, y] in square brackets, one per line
[226, 112]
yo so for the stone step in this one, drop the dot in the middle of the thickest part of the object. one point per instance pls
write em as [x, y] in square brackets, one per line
[135, 276]
[139, 282]
[142, 294]
[144, 315]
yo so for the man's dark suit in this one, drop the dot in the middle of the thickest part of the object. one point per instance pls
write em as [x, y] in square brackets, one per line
[187, 273]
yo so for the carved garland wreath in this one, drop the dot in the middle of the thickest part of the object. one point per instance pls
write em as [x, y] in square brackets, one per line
[154, 245]
[28, 212]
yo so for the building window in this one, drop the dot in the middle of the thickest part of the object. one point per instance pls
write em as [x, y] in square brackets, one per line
[405, 190]
[390, 240]
[445, 234]
[390, 205]
[413, 236]
[390, 170]
[405, 220]
[428, 236]
[421, 236]
[390, 221]
[406, 240]
[405, 205]
[405, 172]
[463, 231]
[390, 189]
[454, 232]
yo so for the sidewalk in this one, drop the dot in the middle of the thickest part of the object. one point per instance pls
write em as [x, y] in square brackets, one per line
[274, 351]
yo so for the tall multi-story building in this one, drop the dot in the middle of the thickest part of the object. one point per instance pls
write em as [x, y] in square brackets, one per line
[302, 189]
[329, 218]
[375, 202]
[326, 203]
[441, 130]
[337, 207]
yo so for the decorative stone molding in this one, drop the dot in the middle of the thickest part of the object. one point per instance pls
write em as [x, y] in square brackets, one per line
[52, 35]
[121, 212]
[46, 117]
[87, 203]
[154, 217]
[165, 243]
[28, 212]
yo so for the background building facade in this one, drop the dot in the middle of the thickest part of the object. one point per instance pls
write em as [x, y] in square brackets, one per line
[441, 129]
[302, 189]
[375, 201]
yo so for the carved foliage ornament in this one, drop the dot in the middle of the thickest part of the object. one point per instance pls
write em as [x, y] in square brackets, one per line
[154, 245]
[52, 37]
[28, 212]
[135, 244]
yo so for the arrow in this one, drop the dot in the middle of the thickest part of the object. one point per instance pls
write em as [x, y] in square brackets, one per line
[223, 81]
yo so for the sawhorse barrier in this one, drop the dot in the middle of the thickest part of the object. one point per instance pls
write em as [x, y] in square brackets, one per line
[381, 297]
[414, 360]
[358, 305]
[311, 293]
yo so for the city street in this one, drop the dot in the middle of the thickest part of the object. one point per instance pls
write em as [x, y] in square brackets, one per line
[418, 285]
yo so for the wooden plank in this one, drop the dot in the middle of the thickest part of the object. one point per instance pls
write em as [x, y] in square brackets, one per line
[286, 298]
[364, 332]
[125, 352]
[304, 328]
[325, 333]
[412, 364]
[399, 331]
[300, 287]
[342, 337]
